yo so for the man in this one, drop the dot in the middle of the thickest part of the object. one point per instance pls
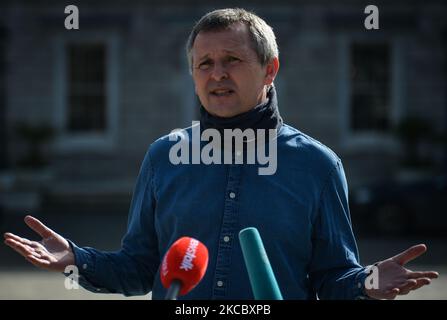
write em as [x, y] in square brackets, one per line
[301, 209]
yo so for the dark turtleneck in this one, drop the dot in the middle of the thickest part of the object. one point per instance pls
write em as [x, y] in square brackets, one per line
[263, 116]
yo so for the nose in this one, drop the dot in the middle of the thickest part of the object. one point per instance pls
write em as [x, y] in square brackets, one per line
[219, 72]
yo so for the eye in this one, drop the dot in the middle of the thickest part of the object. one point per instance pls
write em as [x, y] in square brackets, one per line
[233, 59]
[204, 65]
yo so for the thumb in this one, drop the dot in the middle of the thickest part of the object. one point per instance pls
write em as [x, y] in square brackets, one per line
[410, 254]
[38, 227]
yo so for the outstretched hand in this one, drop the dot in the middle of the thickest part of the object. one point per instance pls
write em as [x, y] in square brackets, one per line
[395, 279]
[52, 253]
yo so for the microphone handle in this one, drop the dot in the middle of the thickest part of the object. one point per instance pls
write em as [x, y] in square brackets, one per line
[173, 290]
[260, 273]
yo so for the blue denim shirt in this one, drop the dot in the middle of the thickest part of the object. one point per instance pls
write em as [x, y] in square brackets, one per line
[301, 212]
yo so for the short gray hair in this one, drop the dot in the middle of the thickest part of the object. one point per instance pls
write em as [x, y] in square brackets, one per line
[262, 37]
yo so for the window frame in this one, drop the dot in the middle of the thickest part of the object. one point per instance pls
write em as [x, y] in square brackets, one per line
[352, 140]
[68, 141]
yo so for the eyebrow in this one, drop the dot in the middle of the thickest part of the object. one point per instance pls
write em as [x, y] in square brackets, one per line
[205, 57]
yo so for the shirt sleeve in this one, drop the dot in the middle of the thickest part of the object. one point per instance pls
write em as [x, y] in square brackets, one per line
[335, 272]
[130, 270]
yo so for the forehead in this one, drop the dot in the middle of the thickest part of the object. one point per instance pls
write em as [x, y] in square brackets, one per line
[235, 38]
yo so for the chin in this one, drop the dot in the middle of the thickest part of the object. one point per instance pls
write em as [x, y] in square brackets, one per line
[227, 113]
[223, 111]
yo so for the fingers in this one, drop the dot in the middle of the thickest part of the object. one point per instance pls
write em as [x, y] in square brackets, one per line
[391, 294]
[407, 286]
[36, 257]
[410, 254]
[38, 262]
[423, 274]
[421, 282]
[38, 227]
[22, 249]
[413, 281]
[413, 285]
[20, 239]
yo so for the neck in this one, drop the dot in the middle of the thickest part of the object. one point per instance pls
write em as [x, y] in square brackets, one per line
[263, 116]
[263, 96]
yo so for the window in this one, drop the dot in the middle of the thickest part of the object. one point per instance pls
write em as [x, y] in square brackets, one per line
[86, 85]
[86, 92]
[370, 103]
[3, 124]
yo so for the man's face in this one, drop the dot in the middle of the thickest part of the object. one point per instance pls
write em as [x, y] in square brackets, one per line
[228, 76]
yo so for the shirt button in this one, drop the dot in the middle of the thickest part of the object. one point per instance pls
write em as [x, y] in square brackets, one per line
[226, 238]
[219, 283]
[232, 195]
[84, 266]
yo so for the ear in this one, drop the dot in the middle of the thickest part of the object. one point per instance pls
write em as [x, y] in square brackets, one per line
[271, 71]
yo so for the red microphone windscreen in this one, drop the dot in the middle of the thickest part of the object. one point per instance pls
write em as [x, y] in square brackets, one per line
[186, 260]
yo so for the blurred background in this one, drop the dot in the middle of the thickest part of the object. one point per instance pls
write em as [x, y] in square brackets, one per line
[78, 109]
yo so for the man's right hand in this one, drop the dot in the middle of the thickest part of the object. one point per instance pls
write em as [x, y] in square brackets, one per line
[52, 253]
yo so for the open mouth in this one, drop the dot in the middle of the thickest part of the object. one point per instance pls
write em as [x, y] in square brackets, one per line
[221, 92]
